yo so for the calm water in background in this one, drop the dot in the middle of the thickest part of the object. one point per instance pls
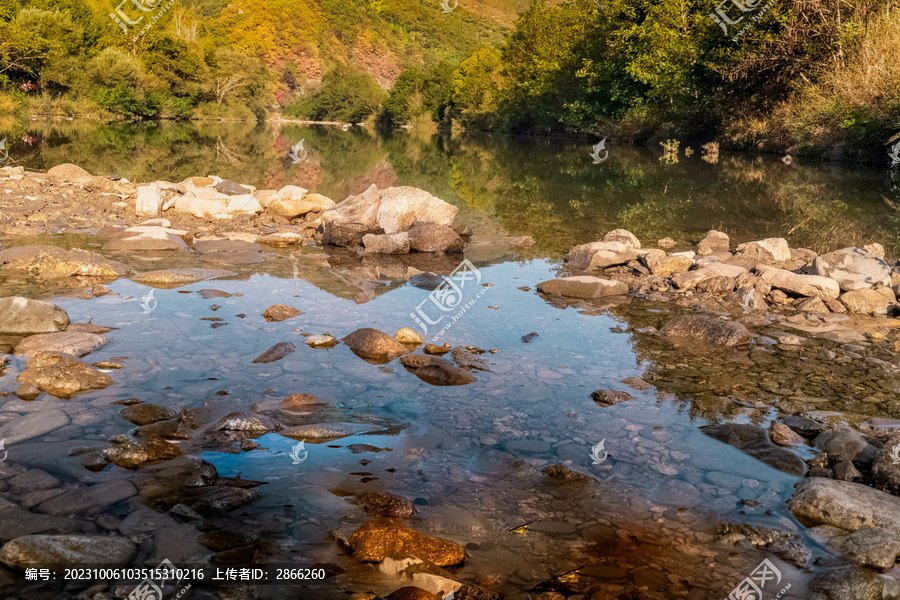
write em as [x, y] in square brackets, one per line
[548, 188]
[469, 454]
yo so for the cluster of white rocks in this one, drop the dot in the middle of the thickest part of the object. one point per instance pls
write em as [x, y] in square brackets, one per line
[850, 279]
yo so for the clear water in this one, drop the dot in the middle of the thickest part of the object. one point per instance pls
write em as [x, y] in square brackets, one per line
[470, 455]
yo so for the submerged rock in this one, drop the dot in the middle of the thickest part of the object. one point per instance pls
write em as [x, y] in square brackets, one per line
[173, 278]
[73, 550]
[238, 421]
[440, 374]
[66, 342]
[394, 243]
[300, 401]
[754, 441]
[610, 397]
[563, 473]
[145, 414]
[321, 341]
[583, 286]
[705, 330]
[417, 361]
[852, 268]
[374, 345]
[325, 432]
[131, 452]
[383, 504]
[276, 352]
[383, 538]
[52, 262]
[23, 316]
[281, 312]
[33, 425]
[149, 238]
[62, 375]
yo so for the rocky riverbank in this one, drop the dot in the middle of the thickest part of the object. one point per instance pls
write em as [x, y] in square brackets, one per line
[757, 325]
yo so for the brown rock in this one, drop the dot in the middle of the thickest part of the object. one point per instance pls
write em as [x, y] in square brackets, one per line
[410, 592]
[713, 242]
[300, 401]
[382, 538]
[145, 414]
[374, 345]
[440, 374]
[610, 397]
[431, 237]
[865, 300]
[670, 265]
[281, 312]
[783, 435]
[62, 375]
[53, 262]
[70, 173]
[382, 504]
[706, 330]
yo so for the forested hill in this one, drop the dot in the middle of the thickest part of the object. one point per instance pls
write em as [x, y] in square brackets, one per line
[194, 47]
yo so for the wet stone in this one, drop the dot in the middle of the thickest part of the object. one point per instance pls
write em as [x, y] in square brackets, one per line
[381, 538]
[145, 414]
[220, 540]
[281, 312]
[610, 397]
[383, 504]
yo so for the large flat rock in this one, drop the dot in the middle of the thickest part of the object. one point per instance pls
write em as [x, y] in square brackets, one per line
[583, 286]
[850, 506]
[23, 316]
[803, 285]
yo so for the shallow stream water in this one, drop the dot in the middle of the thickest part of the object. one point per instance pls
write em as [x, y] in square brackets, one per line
[471, 456]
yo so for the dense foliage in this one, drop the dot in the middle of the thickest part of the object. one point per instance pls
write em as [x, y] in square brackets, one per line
[803, 77]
